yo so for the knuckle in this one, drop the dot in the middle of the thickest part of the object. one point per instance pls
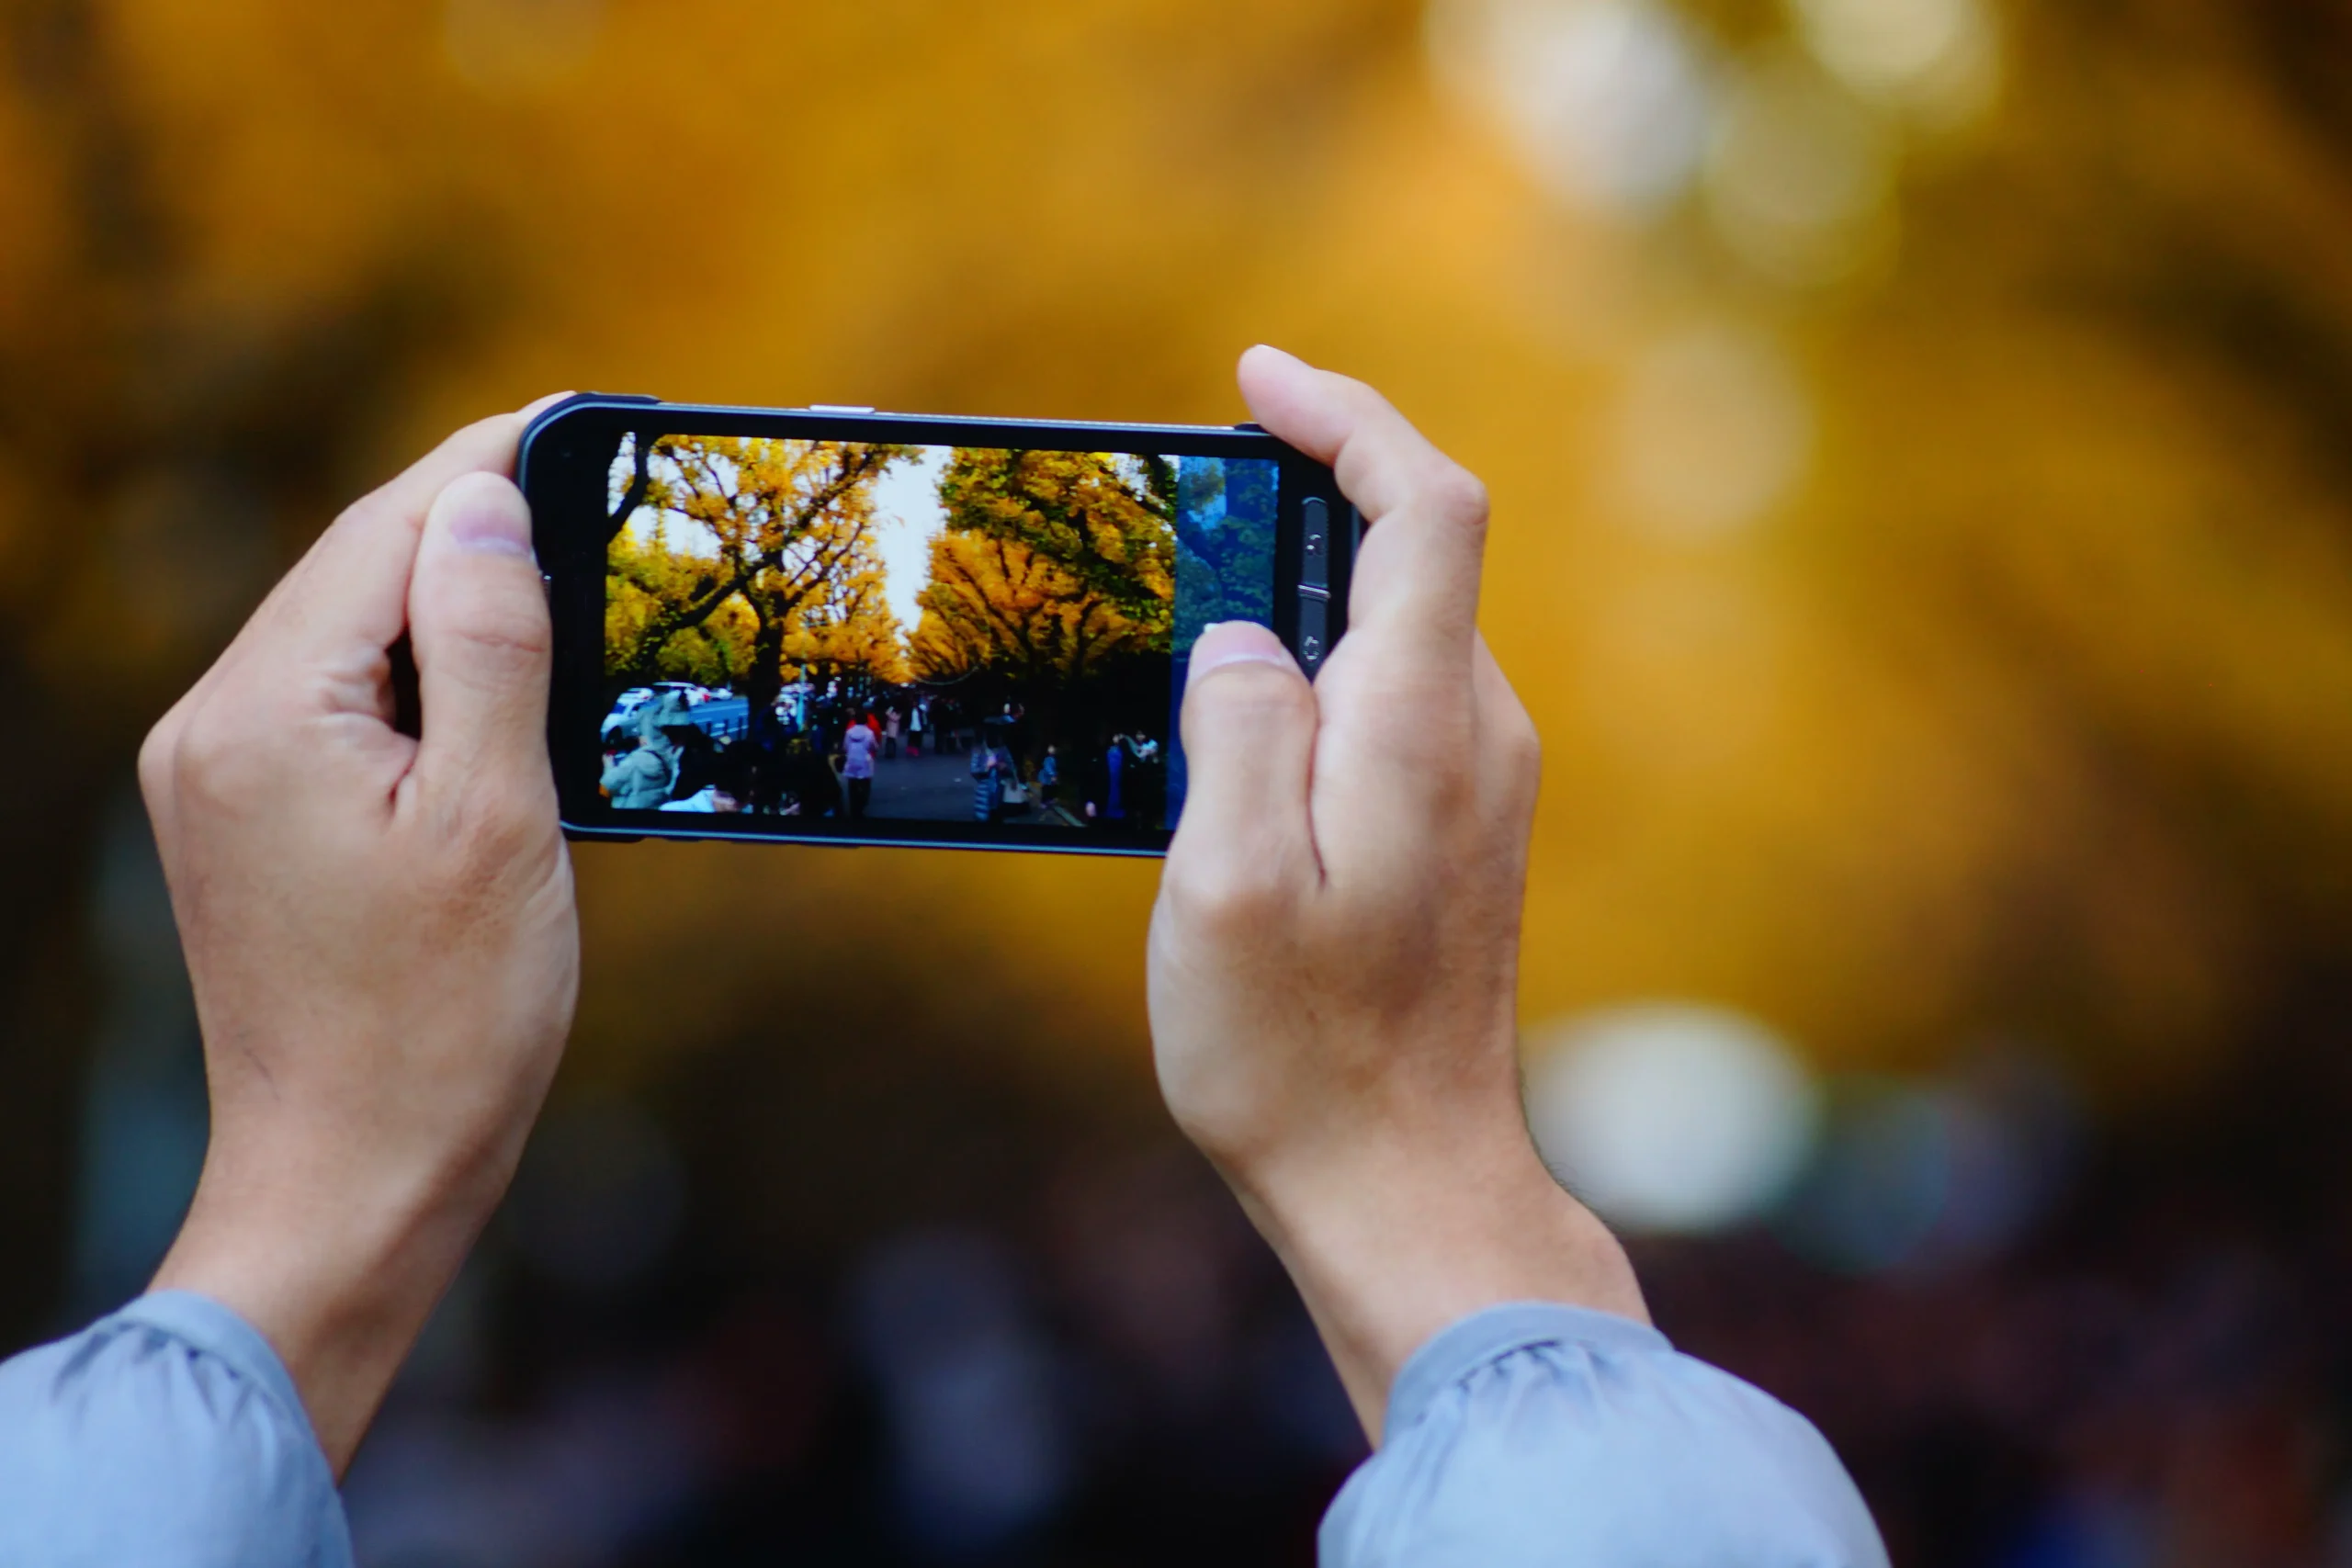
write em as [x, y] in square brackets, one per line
[211, 757]
[1362, 400]
[1233, 897]
[498, 624]
[1525, 772]
[1522, 744]
[507, 633]
[1253, 685]
[1458, 496]
[158, 759]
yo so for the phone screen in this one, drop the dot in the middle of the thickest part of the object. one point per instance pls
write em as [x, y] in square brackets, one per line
[878, 639]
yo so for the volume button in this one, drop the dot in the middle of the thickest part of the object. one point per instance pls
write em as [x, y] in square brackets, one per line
[1314, 543]
[1314, 623]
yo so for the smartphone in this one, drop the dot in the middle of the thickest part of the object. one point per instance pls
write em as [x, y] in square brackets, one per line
[832, 625]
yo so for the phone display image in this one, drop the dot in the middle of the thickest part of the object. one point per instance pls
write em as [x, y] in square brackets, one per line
[868, 632]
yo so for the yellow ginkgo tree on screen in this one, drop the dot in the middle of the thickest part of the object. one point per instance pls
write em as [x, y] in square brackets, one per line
[1050, 566]
[738, 560]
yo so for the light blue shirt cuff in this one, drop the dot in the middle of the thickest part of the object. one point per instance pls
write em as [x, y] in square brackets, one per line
[168, 1434]
[1534, 1433]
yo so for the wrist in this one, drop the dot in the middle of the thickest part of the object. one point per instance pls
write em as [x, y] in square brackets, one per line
[1389, 1244]
[337, 1269]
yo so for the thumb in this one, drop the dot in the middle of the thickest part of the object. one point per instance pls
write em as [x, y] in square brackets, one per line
[1249, 719]
[478, 623]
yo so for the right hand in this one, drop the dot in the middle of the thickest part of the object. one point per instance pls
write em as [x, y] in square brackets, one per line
[1335, 950]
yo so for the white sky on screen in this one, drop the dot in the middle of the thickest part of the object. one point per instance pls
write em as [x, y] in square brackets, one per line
[906, 514]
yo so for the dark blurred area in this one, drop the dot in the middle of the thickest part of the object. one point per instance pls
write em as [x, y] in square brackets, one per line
[914, 1313]
[1918, 431]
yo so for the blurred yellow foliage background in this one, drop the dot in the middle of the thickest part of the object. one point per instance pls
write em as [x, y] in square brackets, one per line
[2023, 701]
[2017, 695]
[1919, 432]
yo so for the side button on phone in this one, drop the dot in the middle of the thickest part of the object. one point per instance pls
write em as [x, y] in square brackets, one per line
[1314, 543]
[1314, 625]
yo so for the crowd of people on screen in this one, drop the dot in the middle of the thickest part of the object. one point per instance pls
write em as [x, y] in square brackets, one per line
[818, 756]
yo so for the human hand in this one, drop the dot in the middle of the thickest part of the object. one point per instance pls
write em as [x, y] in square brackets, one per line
[1335, 951]
[379, 927]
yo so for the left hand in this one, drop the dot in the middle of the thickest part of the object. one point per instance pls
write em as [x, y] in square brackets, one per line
[379, 926]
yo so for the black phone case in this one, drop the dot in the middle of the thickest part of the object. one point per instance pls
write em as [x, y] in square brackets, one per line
[566, 484]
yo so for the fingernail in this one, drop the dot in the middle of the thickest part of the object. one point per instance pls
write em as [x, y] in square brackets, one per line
[489, 515]
[1251, 644]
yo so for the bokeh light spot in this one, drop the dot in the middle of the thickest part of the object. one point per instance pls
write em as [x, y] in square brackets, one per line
[1669, 1118]
[1936, 58]
[1713, 429]
[1799, 178]
[1607, 100]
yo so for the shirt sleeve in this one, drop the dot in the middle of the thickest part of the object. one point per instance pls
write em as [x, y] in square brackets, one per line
[1536, 1434]
[167, 1435]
